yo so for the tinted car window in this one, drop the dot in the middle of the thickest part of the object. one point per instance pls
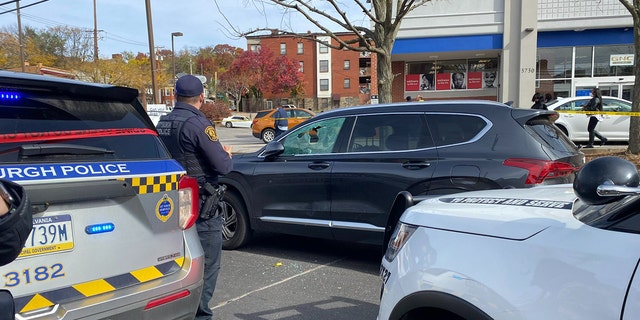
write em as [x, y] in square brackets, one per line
[389, 132]
[544, 131]
[314, 138]
[261, 114]
[448, 129]
[62, 128]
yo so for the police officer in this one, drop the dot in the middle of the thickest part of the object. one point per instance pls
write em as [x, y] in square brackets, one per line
[192, 140]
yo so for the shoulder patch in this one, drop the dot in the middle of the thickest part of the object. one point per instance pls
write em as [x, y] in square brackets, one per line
[210, 131]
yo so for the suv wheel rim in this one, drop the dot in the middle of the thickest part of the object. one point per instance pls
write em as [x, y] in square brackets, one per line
[229, 221]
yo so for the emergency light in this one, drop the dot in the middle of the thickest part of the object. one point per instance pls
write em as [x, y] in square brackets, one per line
[99, 228]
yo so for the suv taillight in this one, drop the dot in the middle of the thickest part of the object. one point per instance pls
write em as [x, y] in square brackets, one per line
[189, 201]
[540, 170]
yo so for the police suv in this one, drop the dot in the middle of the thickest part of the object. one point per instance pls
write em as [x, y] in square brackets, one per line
[548, 252]
[113, 221]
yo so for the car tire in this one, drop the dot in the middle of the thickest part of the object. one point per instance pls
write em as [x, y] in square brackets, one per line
[228, 124]
[268, 135]
[235, 225]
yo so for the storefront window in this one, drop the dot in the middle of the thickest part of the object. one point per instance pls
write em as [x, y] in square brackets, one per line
[607, 65]
[583, 61]
[554, 89]
[452, 74]
[554, 63]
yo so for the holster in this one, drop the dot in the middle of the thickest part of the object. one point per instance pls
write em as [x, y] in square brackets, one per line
[210, 197]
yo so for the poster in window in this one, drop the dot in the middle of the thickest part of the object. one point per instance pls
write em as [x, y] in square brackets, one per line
[443, 81]
[458, 80]
[490, 78]
[412, 82]
[474, 80]
[426, 82]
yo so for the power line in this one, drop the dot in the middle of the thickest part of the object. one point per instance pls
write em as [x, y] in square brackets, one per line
[52, 23]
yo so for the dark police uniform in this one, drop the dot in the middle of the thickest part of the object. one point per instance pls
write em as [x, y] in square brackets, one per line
[192, 140]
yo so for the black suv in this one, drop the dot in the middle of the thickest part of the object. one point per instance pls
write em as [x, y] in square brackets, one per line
[336, 175]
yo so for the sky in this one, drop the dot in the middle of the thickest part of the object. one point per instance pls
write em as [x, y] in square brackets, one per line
[122, 24]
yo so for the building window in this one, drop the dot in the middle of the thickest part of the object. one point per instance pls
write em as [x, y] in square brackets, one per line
[347, 83]
[347, 65]
[255, 48]
[602, 61]
[301, 67]
[324, 84]
[324, 103]
[300, 48]
[324, 65]
[324, 48]
[283, 48]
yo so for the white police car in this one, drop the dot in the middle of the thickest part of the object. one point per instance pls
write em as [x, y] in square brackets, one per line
[113, 234]
[549, 252]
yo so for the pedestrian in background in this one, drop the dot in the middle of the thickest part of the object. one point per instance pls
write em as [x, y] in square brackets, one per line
[192, 140]
[595, 104]
[282, 123]
[538, 101]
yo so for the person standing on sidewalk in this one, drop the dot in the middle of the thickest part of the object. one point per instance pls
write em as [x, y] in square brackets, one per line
[282, 123]
[595, 104]
[192, 140]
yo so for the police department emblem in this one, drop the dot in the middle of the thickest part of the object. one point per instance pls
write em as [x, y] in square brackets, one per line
[211, 133]
[164, 208]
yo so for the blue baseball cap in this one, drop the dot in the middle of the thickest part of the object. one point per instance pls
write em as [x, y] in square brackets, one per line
[189, 86]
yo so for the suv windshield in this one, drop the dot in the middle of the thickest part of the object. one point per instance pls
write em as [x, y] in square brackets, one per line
[44, 128]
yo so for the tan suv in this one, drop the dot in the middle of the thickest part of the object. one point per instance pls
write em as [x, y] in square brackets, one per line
[263, 126]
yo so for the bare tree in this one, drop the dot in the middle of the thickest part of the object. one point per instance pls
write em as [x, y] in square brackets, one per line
[634, 127]
[377, 36]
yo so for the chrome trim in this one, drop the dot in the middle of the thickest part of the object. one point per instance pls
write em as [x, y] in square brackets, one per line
[324, 223]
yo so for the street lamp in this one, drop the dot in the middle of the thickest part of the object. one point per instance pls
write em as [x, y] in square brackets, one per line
[174, 34]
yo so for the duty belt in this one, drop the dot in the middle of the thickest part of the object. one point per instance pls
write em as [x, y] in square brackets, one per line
[210, 197]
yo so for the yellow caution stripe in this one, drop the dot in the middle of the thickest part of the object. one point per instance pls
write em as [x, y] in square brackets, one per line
[144, 185]
[96, 287]
[613, 113]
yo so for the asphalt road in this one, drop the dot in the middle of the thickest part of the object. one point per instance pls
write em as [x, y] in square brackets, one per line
[287, 277]
[280, 277]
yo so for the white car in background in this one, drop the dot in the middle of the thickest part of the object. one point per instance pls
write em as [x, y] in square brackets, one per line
[548, 252]
[236, 121]
[614, 127]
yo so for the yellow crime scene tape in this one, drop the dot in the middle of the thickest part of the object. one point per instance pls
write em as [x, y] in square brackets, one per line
[613, 113]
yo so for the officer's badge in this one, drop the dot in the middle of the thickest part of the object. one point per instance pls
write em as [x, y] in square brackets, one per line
[211, 133]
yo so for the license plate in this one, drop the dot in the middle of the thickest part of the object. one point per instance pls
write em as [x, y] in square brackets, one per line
[49, 234]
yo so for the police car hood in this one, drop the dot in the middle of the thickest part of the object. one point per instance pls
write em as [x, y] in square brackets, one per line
[506, 213]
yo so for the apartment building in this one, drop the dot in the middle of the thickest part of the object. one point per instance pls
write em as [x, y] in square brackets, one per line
[507, 50]
[332, 78]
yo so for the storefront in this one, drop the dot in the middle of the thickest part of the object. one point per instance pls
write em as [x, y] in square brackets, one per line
[598, 58]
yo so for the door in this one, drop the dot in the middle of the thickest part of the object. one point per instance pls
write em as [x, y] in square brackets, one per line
[291, 192]
[386, 154]
[622, 89]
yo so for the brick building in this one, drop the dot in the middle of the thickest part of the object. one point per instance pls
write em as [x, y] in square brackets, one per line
[332, 78]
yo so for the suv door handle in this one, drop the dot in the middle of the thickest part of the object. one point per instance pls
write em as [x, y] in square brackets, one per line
[416, 165]
[319, 165]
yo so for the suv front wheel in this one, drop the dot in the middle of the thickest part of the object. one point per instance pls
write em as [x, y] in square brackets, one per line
[268, 135]
[235, 225]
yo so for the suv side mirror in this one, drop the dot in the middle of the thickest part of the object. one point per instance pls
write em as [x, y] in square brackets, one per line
[7, 307]
[273, 149]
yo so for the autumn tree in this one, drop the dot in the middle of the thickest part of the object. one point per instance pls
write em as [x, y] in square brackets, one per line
[634, 123]
[377, 34]
[258, 72]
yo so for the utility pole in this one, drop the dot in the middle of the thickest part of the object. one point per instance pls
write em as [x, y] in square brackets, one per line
[20, 36]
[95, 33]
[152, 53]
